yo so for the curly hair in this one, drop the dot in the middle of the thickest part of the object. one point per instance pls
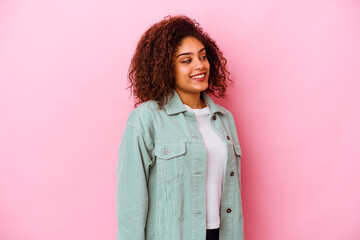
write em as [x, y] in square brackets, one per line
[151, 72]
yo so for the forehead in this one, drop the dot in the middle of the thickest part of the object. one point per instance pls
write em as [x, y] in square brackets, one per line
[189, 44]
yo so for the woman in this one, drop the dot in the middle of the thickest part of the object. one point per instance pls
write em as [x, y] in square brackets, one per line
[179, 158]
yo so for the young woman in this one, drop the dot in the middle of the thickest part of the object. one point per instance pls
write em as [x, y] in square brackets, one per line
[178, 175]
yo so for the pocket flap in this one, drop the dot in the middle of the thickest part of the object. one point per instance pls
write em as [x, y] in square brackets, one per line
[169, 150]
[237, 149]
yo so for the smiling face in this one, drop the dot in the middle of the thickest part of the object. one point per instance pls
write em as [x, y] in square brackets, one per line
[191, 67]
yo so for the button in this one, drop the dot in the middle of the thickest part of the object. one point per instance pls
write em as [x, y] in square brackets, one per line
[232, 174]
[228, 210]
[165, 152]
[214, 117]
[228, 137]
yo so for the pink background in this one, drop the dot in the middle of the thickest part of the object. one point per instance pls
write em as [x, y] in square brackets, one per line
[63, 105]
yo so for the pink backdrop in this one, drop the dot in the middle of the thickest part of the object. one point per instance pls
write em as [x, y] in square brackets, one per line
[63, 105]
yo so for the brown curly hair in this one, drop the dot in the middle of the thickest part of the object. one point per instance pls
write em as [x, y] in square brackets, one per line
[151, 72]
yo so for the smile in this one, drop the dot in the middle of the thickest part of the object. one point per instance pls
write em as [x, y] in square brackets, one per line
[199, 77]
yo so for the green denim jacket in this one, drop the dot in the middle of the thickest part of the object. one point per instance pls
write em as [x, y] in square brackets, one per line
[161, 174]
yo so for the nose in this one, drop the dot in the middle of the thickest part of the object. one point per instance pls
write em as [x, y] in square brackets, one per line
[199, 64]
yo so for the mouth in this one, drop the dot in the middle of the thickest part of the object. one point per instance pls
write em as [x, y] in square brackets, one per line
[199, 77]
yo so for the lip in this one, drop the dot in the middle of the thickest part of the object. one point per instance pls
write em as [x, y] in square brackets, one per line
[199, 79]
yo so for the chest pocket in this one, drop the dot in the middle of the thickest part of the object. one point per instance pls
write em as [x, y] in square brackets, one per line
[170, 157]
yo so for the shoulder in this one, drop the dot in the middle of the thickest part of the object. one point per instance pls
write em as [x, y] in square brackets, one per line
[141, 118]
[228, 117]
[225, 111]
[230, 121]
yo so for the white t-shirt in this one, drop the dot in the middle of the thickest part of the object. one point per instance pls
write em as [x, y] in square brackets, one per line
[216, 160]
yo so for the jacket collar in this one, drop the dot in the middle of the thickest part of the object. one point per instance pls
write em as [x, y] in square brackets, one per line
[175, 105]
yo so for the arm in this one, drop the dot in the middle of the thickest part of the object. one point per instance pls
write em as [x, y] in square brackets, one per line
[134, 162]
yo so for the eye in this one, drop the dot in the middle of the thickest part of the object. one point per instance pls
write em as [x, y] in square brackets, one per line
[203, 57]
[186, 61]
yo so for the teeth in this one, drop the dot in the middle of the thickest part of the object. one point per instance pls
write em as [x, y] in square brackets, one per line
[199, 76]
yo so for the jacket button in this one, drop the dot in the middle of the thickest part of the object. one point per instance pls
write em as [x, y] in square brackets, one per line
[214, 117]
[228, 210]
[228, 137]
[165, 152]
[232, 174]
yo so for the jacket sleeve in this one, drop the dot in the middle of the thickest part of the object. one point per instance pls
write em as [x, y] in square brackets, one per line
[134, 162]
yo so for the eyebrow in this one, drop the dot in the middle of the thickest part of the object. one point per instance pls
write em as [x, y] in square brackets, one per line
[189, 53]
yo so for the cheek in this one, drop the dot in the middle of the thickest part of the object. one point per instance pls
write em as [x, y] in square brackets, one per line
[180, 75]
[184, 71]
[208, 65]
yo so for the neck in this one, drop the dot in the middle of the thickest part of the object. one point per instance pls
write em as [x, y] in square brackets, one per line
[193, 100]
